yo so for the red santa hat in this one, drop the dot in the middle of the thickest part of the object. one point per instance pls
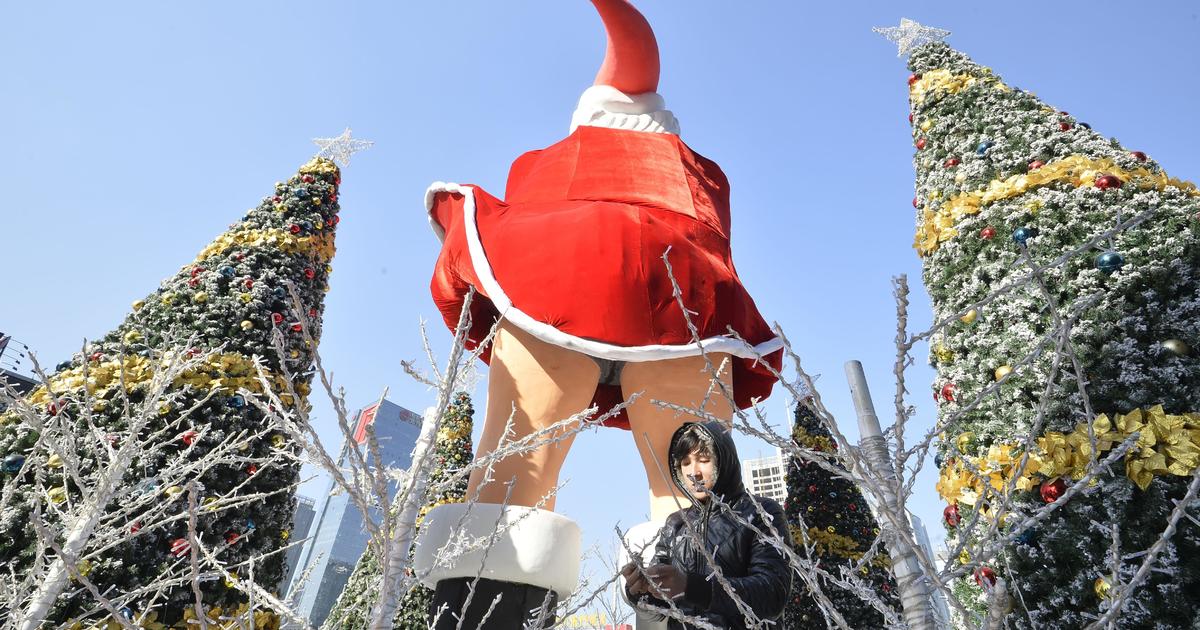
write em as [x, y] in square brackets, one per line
[624, 95]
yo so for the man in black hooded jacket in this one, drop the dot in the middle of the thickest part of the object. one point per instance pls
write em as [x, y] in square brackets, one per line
[741, 536]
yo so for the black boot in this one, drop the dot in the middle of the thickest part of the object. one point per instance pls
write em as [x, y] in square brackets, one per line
[517, 606]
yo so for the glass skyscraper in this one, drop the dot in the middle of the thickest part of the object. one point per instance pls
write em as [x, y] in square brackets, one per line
[337, 537]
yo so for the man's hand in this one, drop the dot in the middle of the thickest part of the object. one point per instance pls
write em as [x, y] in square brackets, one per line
[670, 580]
[635, 580]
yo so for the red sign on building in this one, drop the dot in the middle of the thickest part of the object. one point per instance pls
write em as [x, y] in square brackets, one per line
[365, 418]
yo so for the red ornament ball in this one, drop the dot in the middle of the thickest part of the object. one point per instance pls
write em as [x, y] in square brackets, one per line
[135, 527]
[297, 327]
[251, 469]
[948, 391]
[231, 537]
[1139, 156]
[916, 203]
[910, 118]
[196, 271]
[189, 436]
[180, 547]
[987, 233]
[951, 163]
[336, 219]
[277, 318]
[95, 356]
[812, 488]
[309, 273]
[1053, 489]
[985, 574]
[1036, 164]
[276, 198]
[249, 283]
[1106, 181]
[307, 179]
[312, 312]
[913, 78]
[920, 143]
[951, 515]
[1065, 126]
[294, 229]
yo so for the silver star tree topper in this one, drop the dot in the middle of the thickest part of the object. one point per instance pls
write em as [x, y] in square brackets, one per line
[340, 149]
[910, 35]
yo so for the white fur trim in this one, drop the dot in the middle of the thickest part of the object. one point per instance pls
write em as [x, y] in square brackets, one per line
[606, 106]
[550, 334]
[531, 546]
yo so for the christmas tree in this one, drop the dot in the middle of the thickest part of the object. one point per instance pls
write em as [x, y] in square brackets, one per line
[1090, 341]
[828, 514]
[452, 454]
[190, 350]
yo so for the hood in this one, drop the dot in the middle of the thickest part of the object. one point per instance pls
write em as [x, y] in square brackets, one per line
[729, 468]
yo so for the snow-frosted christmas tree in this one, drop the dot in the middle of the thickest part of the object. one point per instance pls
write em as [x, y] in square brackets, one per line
[159, 423]
[829, 515]
[1067, 269]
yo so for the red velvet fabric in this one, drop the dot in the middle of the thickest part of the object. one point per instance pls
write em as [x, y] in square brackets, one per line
[578, 245]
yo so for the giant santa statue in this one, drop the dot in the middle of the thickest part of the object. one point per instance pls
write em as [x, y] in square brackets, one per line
[570, 263]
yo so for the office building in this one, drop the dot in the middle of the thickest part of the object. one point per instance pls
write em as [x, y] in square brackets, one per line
[302, 520]
[337, 537]
[766, 476]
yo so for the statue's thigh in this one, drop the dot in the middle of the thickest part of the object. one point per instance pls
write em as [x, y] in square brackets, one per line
[537, 385]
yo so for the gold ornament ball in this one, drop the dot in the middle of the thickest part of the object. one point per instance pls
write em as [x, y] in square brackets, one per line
[57, 494]
[969, 317]
[133, 336]
[1002, 371]
[943, 354]
[1178, 347]
[138, 304]
[926, 125]
[200, 297]
[247, 325]
[1102, 587]
[245, 297]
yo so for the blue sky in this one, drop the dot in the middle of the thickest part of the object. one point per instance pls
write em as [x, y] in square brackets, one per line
[136, 132]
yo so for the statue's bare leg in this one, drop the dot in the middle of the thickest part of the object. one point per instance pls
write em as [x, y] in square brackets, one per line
[685, 382]
[538, 384]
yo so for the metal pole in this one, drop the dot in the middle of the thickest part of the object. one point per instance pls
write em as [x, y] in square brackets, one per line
[913, 587]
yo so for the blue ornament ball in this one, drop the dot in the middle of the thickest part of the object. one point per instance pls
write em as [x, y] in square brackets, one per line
[228, 271]
[1110, 261]
[1022, 234]
[1027, 537]
[127, 613]
[984, 146]
[937, 460]
[13, 462]
[249, 524]
[236, 401]
[279, 292]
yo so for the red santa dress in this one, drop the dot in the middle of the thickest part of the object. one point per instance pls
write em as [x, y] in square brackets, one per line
[574, 254]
